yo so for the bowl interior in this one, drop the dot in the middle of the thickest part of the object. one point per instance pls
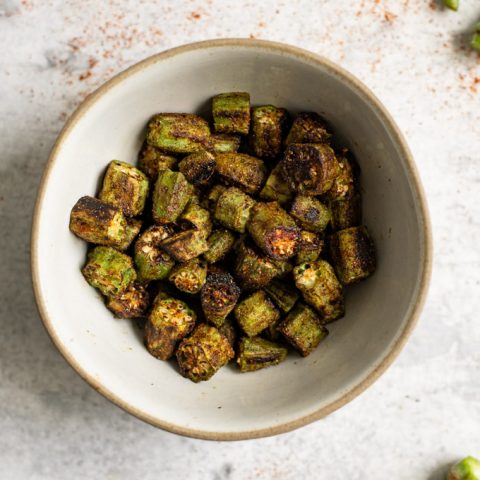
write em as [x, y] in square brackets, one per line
[110, 353]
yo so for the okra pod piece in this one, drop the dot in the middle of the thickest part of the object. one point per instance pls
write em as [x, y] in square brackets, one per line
[310, 247]
[241, 170]
[309, 168]
[189, 277]
[151, 160]
[273, 230]
[185, 245]
[169, 321]
[228, 329]
[321, 289]
[233, 209]
[220, 242]
[125, 187]
[171, 195]
[256, 313]
[276, 188]
[202, 354]
[132, 303]
[222, 143]
[452, 4]
[196, 217]
[308, 127]
[109, 270]
[211, 198]
[269, 126]
[346, 212]
[283, 295]
[257, 353]
[353, 254]
[151, 261]
[310, 213]
[303, 329]
[178, 132]
[198, 168]
[231, 112]
[219, 296]
[132, 229]
[346, 183]
[466, 469]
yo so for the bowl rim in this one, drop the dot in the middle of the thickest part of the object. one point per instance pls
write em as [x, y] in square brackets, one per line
[425, 225]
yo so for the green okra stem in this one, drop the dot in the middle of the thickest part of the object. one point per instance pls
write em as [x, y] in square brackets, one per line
[231, 112]
[308, 127]
[132, 303]
[232, 209]
[222, 143]
[283, 295]
[189, 277]
[276, 188]
[198, 168]
[257, 353]
[151, 160]
[269, 125]
[220, 242]
[310, 213]
[310, 247]
[185, 245]
[466, 469]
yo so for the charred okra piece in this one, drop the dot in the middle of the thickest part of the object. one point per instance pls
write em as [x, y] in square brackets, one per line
[233, 209]
[310, 247]
[196, 217]
[220, 242]
[231, 112]
[276, 188]
[273, 230]
[466, 469]
[109, 270]
[228, 329]
[211, 198]
[169, 321]
[198, 168]
[320, 289]
[202, 354]
[302, 329]
[151, 160]
[185, 245]
[132, 303]
[178, 132]
[269, 125]
[309, 168]
[170, 197]
[256, 313]
[241, 170]
[132, 229]
[308, 127]
[346, 212]
[353, 254]
[221, 143]
[189, 277]
[219, 296]
[257, 353]
[284, 296]
[310, 213]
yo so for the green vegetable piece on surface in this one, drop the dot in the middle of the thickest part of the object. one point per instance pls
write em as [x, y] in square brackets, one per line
[222, 143]
[346, 183]
[310, 247]
[308, 127]
[169, 321]
[198, 168]
[452, 4]
[231, 112]
[211, 198]
[475, 41]
[109, 270]
[302, 329]
[233, 209]
[196, 217]
[151, 160]
[346, 212]
[220, 242]
[256, 313]
[189, 277]
[132, 303]
[185, 245]
[283, 295]
[269, 125]
[310, 213]
[276, 188]
[321, 289]
[257, 353]
[132, 229]
[202, 354]
[466, 469]
[228, 329]
[273, 230]
[178, 132]
[353, 254]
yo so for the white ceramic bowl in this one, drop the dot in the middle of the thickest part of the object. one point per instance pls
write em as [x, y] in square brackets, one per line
[381, 312]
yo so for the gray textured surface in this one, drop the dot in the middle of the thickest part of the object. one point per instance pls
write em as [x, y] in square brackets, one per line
[423, 413]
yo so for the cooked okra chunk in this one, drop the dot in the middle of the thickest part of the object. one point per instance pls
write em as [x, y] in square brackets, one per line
[219, 296]
[196, 217]
[283, 295]
[202, 354]
[132, 303]
[308, 127]
[132, 229]
[256, 313]
[151, 261]
[353, 254]
[231, 112]
[273, 230]
[466, 469]
[109, 270]
[309, 168]
[189, 277]
[241, 170]
[257, 353]
[321, 289]
[171, 195]
[151, 160]
[310, 213]
[220, 242]
[303, 329]
[198, 168]
[346, 212]
[178, 132]
[169, 321]
[228, 329]
[185, 245]
[233, 209]
[269, 125]
[211, 198]
[310, 247]
[222, 143]
[276, 188]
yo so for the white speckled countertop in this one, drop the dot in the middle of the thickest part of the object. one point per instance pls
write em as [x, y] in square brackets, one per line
[422, 414]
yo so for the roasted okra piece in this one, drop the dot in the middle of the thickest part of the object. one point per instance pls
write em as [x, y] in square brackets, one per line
[256, 313]
[220, 242]
[269, 125]
[109, 270]
[171, 195]
[283, 295]
[310, 247]
[273, 230]
[233, 209]
[466, 469]
[151, 160]
[353, 254]
[198, 168]
[189, 277]
[310, 213]
[211, 198]
[196, 217]
[231, 112]
[169, 321]
[276, 188]
[222, 143]
[132, 303]
[228, 329]
[132, 229]
[346, 212]
[178, 132]
[303, 329]
[219, 296]
[321, 289]
[309, 168]
[202, 354]
[185, 245]
[257, 353]
[308, 127]
[241, 170]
